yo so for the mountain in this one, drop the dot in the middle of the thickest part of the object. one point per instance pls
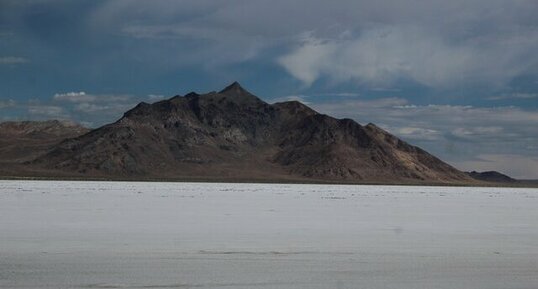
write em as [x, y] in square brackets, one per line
[234, 135]
[491, 176]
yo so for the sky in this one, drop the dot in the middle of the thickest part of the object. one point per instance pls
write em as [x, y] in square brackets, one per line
[458, 78]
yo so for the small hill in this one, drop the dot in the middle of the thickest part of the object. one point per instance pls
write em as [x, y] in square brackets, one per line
[491, 176]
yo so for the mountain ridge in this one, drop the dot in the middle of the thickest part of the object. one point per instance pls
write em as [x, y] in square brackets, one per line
[234, 134]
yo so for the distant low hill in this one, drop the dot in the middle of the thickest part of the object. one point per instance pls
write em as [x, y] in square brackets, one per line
[26, 140]
[491, 176]
[226, 135]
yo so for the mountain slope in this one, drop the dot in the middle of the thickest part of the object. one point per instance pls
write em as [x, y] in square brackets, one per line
[234, 134]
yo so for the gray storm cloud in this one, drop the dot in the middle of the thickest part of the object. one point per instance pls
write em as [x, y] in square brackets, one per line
[382, 55]
[434, 43]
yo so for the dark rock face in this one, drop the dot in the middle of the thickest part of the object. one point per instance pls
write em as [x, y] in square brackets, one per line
[491, 176]
[232, 134]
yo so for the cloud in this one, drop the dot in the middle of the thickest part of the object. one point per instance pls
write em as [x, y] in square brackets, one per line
[310, 60]
[352, 107]
[453, 121]
[343, 94]
[474, 132]
[113, 109]
[385, 89]
[83, 97]
[13, 60]
[47, 111]
[7, 103]
[375, 43]
[83, 107]
[74, 97]
[90, 108]
[155, 97]
[384, 55]
[516, 95]
[417, 133]
[432, 42]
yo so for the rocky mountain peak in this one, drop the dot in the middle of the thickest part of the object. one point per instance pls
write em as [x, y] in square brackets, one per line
[232, 134]
[234, 88]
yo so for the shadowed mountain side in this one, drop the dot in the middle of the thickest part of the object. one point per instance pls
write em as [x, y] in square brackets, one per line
[234, 134]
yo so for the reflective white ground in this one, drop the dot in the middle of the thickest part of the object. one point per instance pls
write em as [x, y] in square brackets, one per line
[216, 235]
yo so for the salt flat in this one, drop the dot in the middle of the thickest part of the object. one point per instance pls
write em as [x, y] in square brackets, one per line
[215, 235]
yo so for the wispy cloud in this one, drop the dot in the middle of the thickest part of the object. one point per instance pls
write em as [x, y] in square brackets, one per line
[385, 89]
[83, 97]
[516, 95]
[155, 97]
[338, 94]
[471, 133]
[13, 60]
[417, 133]
[103, 109]
[48, 111]
[7, 103]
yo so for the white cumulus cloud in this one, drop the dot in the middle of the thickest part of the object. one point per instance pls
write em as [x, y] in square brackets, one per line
[74, 97]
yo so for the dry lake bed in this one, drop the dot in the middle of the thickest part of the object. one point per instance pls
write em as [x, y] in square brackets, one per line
[216, 235]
